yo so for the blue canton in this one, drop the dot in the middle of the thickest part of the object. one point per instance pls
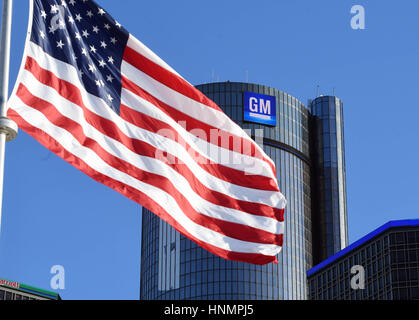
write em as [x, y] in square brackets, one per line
[82, 34]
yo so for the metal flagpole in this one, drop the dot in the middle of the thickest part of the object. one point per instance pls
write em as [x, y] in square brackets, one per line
[8, 128]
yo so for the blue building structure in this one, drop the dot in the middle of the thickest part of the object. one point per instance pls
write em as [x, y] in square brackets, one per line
[389, 258]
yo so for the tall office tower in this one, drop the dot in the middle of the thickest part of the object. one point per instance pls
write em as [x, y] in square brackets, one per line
[330, 231]
[174, 267]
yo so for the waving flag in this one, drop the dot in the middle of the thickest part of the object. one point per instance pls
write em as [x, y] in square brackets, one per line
[97, 97]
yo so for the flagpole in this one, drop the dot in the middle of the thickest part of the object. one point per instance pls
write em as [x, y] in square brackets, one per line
[8, 128]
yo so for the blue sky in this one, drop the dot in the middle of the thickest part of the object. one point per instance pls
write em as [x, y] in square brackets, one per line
[55, 215]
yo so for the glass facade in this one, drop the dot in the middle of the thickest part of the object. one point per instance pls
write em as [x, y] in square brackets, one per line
[391, 264]
[25, 292]
[6, 294]
[173, 267]
[328, 157]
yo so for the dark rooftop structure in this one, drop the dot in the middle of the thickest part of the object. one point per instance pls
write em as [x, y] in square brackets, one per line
[389, 257]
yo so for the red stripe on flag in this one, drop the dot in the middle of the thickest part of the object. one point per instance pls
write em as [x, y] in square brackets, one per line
[166, 77]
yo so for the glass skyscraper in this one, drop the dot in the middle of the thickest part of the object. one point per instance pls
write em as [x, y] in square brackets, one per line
[173, 267]
[330, 233]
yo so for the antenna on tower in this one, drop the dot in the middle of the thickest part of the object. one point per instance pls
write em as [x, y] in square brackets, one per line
[317, 91]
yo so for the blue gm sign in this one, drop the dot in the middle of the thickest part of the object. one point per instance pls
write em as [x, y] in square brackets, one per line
[259, 108]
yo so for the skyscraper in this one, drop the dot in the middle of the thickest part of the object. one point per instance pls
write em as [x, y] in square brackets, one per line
[173, 267]
[330, 226]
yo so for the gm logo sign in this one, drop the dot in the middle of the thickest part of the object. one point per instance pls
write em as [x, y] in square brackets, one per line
[259, 108]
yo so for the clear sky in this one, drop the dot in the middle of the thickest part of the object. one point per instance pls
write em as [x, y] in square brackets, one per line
[55, 215]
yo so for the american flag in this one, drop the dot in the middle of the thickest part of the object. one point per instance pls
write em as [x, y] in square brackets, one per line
[100, 99]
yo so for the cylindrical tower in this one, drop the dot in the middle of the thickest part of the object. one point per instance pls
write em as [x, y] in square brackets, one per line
[173, 267]
[328, 158]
